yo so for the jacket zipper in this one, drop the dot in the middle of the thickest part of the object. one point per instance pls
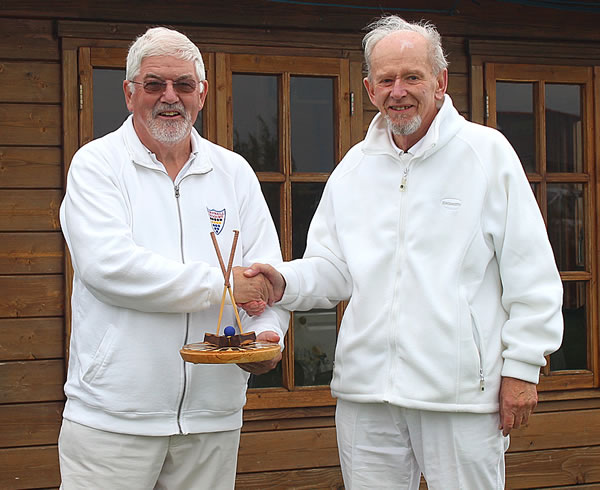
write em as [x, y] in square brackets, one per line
[397, 258]
[477, 339]
[187, 315]
[404, 179]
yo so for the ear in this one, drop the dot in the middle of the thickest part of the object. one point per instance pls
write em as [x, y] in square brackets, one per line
[202, 95]
[441, 84]
[369, 88]
[128, 95]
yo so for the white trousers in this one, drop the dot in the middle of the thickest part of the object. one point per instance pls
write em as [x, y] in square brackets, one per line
[383, 446]
[96, 459]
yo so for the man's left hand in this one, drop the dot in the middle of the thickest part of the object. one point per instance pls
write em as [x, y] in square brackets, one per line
[263, 367]
[518, 398]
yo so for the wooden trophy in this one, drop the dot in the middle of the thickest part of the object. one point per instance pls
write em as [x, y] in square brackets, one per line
[230, 347]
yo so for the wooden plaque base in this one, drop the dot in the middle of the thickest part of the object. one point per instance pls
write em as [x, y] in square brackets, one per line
[205, 353]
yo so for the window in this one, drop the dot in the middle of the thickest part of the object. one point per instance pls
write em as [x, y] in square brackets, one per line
[547, 112]
[289, 119]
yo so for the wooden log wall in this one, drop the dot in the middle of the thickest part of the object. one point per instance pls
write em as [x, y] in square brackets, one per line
[31, 255]
[280, 448]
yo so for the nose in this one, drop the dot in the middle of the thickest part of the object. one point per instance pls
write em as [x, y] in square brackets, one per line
[398, 89]
[169, 95]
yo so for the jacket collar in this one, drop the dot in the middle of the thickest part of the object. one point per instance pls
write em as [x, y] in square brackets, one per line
[140, 155]
[444, 126]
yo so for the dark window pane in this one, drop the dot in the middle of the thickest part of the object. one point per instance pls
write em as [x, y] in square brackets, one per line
[564, 133]
[271, 191]
[573, 352]
[566, 225]
[255, 120]
[109, 101]
[110, 109]
[305, 199]
[314, 347]
[311, 111]
[515, 119]
[272, 379]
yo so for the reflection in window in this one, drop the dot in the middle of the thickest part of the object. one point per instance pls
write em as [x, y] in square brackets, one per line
[566, 225]
[564, 132]
[255, 120]
[110, 110]
[573, 352]
[305, 199]
[314, 347]
[515, 119]
[311, 111]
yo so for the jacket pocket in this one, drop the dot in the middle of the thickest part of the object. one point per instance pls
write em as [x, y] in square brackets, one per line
[101, 357]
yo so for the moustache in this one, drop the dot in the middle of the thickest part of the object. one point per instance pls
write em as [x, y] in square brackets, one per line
[162, 107]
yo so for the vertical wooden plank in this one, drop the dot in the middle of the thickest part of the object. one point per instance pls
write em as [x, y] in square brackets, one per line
[477, 91]
[70, 97]
[595, 174]
[223, 103]
[85, 89]
[344, 99]
[209, 112]
[357, 88]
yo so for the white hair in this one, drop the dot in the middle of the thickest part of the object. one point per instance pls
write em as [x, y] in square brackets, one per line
[391, 24]
[160, 41]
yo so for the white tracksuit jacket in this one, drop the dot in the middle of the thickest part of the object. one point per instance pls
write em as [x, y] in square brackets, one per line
[147, 281]
[444, 256]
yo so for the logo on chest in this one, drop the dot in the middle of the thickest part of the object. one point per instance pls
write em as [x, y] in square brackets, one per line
[217, 219]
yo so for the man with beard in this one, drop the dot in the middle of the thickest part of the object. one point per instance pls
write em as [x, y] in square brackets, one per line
[430, 229]
[137, 216]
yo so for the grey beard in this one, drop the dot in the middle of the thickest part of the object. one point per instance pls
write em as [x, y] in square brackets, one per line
[170, 132]
[405, 129]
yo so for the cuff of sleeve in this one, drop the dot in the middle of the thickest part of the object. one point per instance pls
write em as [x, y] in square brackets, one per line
[217, 286]
[521, 370]
[292, 285]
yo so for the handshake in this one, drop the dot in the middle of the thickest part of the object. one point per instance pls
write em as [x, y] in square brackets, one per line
[257, 286]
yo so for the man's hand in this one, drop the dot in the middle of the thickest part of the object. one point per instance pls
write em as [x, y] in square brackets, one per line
[248, 288]
[263, 367]
[518, 398]
[275, 278]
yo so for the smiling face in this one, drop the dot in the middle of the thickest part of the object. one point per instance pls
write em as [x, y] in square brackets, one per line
[165, 118]
[403, 87]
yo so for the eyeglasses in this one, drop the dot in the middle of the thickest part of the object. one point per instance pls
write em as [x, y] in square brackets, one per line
[158, 87]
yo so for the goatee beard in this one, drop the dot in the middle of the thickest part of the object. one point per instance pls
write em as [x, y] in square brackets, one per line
[409, 127]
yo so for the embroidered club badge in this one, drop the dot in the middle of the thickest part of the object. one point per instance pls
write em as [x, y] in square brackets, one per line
[217, 219]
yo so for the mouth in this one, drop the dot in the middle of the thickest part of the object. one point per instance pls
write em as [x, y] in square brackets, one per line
[399, 108]
[169, 111]
[169, 114]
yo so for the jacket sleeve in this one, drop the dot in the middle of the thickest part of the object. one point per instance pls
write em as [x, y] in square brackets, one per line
[321, 279]
[95, 222]
[532, 288]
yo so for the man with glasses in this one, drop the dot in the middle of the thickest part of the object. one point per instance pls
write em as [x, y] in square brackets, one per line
[138, 213]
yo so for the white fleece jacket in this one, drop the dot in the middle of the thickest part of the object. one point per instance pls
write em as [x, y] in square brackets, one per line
[444, 257]
[147, 281]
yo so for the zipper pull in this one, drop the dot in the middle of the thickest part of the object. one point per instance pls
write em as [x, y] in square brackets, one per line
[176, 192]
[403, 182]
[481, 380]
